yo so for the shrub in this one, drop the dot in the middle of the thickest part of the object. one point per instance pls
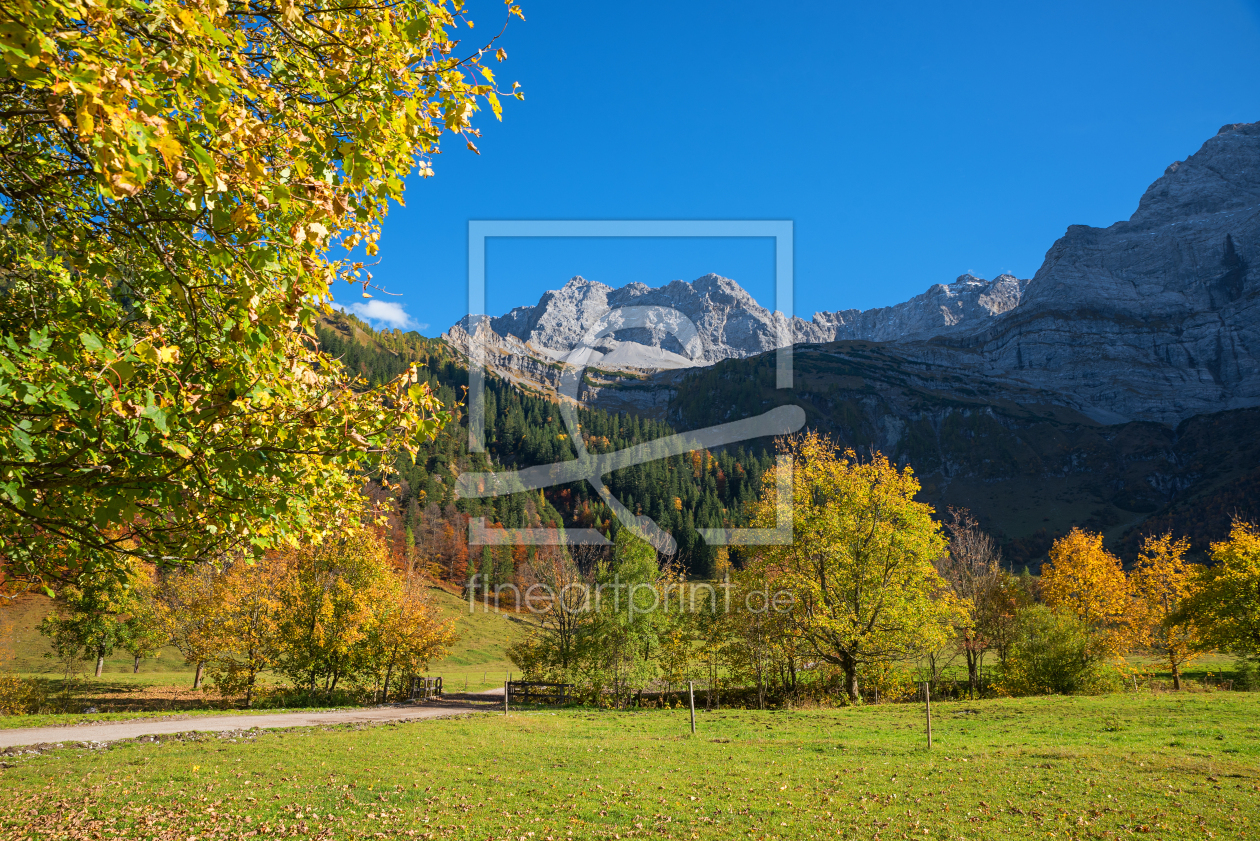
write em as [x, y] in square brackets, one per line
[292, 698]
[892, 682]
[22, 696]
[1054, 654]
[1246, 675]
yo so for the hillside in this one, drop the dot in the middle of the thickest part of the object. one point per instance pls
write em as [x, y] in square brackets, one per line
[682, 493]
[1028, 469]
[1027, 466]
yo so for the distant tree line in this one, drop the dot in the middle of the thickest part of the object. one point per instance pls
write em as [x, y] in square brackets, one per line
[345, 615]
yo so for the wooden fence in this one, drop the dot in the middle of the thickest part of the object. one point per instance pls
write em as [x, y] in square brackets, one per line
[532, 692]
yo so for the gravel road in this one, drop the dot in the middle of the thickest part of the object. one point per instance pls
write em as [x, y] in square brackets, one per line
[114, 731]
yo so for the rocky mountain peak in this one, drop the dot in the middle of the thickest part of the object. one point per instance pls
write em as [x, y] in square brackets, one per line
[1222, 177]
[1156, 317]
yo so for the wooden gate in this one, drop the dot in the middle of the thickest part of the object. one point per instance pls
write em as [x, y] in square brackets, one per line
[424, 688]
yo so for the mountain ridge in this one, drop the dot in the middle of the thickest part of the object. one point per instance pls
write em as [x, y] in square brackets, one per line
[1152, 318]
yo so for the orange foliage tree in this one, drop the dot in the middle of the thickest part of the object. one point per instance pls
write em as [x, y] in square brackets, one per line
[1162, 580]
[244, 627]
[1086, 580]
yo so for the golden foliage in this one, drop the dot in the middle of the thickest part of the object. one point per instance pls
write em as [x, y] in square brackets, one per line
[1225, 610]
[859, 571]
[1162, 580]
[1084, 579]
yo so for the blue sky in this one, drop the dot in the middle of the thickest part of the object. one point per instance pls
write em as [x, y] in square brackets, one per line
[909, 142]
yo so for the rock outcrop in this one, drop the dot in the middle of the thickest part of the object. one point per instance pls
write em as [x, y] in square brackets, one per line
[962, 307]
[1156, 318]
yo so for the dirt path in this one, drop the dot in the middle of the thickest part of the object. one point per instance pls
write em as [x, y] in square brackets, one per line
[114, 731]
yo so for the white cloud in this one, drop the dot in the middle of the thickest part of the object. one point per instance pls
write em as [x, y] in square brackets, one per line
[383, 314]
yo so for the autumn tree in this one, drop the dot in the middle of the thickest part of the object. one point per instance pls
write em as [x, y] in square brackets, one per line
[972, 568]
[326, 605]
[759, 626]
[1004, 603]
[405, 631]
[859, 570]
[179, 180]
[1224, 610]
[1084, 579]
[244, 632]
[92, 615]
[188, 604]
[143, 631]
[1161, 581]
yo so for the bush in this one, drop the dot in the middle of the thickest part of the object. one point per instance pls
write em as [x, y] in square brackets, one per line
[1054, 654]
[892, 682]
[1246, 675]
[295, 698]
[23, 696]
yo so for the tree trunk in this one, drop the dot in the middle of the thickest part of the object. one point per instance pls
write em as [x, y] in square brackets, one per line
[973, 676]
[1176, 673]
[135, 667]
[851, 679]
[100, 661]
[201, 668]
[389, 671]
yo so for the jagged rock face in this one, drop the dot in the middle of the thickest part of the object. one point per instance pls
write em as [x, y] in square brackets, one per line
[730, 323]
[1156, 318]
[963, 306]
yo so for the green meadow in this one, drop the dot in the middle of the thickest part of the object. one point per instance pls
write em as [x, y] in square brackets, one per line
[1163, 766]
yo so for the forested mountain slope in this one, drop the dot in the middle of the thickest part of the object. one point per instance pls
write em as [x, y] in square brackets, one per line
[681, 493]
[1027, 468]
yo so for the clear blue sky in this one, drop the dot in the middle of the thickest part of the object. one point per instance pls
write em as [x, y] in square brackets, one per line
[910, 142]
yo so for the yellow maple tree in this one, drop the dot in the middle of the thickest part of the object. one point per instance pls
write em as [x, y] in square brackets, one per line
[1084, 579]
[1162, 580]
[859, 573]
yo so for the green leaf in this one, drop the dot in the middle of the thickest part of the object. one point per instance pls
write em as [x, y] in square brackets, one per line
[93, 344]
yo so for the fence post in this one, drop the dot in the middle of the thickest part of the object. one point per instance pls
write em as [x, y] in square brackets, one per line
[691, 699]
[506, 683]
[927, 705]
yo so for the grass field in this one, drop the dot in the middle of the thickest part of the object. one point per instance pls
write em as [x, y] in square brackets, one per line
[1164, 766]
